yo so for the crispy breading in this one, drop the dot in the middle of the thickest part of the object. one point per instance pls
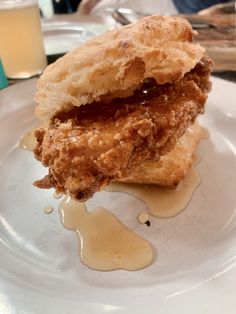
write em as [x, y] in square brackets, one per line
[88, 146]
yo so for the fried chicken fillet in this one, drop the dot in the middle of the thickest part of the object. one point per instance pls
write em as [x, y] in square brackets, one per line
[100, 130]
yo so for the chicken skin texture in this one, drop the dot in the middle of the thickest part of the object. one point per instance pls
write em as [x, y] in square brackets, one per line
[94, 144]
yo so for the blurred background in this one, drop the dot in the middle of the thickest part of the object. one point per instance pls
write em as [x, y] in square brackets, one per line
[66, 24]
[49, 7]
[214, 20]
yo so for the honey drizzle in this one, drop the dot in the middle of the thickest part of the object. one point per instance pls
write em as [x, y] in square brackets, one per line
[105, 243]
[161, 202]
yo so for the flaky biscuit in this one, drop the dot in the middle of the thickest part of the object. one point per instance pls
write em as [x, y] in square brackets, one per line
[117, 62]
[171, 168]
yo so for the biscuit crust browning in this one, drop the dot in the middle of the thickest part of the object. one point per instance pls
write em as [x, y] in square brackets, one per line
[117, 63]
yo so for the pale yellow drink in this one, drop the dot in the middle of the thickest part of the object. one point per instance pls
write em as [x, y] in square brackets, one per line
[21, 40]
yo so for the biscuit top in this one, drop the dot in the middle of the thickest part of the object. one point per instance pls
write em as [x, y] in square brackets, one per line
[115, 63]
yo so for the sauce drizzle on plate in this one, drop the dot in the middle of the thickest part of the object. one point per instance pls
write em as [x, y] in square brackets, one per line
[105, 243]
[161, 202]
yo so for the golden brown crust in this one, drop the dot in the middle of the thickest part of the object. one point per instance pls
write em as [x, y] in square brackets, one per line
[117, 62]
[171, 168]
[90, 146]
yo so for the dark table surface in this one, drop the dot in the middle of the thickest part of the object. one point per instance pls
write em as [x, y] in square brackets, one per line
[229, 76]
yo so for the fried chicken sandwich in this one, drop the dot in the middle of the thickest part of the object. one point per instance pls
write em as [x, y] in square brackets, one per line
[118, 106]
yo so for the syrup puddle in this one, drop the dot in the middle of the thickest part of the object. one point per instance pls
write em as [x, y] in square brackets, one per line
[48, 209]
[161, 202]
[105, 243]
[143, 217]
[57, 195]
[28, 140]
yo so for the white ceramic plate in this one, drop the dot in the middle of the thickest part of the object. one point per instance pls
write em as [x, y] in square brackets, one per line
[195, 271]
[61, 37]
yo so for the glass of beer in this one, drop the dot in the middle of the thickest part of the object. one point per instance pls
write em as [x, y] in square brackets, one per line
[21, 40]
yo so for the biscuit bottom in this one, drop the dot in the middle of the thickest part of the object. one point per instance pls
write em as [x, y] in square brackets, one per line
[171, 168]
[89, 146]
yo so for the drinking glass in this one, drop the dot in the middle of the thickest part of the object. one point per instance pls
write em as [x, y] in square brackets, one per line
[21, 40]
